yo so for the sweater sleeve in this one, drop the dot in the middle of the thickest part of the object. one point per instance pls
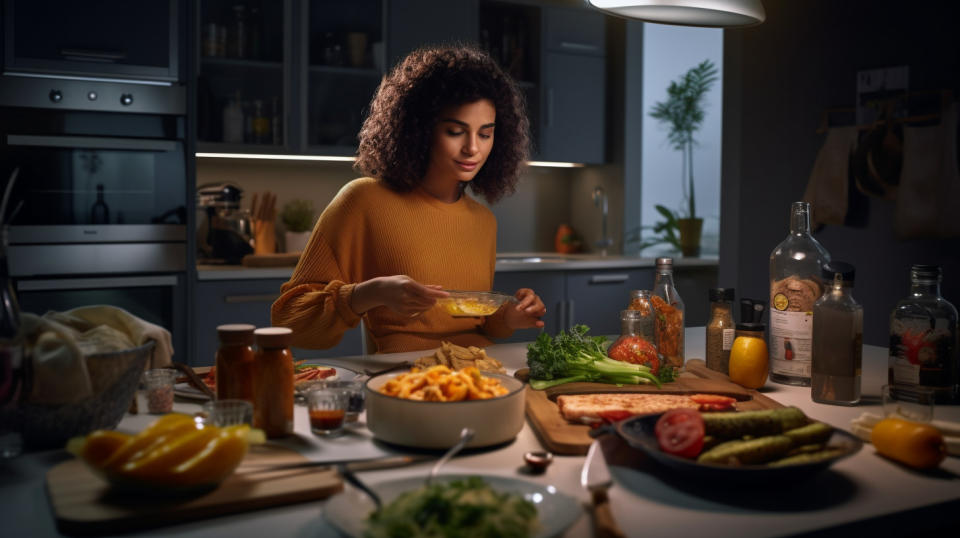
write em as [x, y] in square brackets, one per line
[315, 302]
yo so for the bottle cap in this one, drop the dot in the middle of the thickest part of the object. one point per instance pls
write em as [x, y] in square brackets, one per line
[235, 334]
[721, 294]
[273, 337]
[664, 263]
[832, 268]
[751, 326]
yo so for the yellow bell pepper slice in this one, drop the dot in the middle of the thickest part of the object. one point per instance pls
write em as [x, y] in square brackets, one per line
[151, 437]
[98, 446]
[216, 461]
[157, 464]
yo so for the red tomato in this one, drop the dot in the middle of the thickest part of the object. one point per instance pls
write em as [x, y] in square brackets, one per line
[614, 415]
[680, 432]
[714, 402]
[635, 350]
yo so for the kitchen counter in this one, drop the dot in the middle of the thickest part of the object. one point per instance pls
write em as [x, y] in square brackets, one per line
[506, 262]
[861, 494]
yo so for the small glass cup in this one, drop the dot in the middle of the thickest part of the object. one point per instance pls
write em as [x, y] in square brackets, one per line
[911, 403]
[158, 384]
[328, 409]
[228, 412]
[355, 396]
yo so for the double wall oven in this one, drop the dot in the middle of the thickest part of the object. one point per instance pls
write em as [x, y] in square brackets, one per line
[100, 197]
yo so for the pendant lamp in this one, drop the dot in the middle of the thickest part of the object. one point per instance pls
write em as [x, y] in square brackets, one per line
[709, 13]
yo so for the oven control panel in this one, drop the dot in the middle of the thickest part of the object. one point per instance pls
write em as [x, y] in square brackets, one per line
[99, 95]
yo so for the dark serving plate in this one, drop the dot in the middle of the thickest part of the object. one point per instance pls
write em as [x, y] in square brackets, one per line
[638, 432]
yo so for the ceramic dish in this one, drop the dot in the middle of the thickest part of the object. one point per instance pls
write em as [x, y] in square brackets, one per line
[556, 511]
[187, 391]
[472, 303]
[437, 424]
[638, 432]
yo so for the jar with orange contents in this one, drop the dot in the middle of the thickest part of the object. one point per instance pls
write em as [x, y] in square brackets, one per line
[234, 362]
[273, 390]
[749, 362]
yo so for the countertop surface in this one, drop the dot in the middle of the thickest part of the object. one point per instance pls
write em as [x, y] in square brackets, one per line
[506, 262]
[861, 494]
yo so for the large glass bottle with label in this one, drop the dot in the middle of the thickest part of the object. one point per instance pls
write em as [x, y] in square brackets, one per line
[795, 284]
[924, 350]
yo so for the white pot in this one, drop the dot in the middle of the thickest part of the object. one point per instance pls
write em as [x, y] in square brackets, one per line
[296, 241]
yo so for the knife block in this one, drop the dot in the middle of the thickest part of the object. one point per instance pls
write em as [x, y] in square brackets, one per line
[264, 237]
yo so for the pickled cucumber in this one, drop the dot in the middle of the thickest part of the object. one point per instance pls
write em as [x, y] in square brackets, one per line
[813, 433]
[759, 450]
[756, 423]
[811, 457]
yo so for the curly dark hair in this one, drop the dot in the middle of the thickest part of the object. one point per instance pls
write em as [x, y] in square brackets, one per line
[396, 137]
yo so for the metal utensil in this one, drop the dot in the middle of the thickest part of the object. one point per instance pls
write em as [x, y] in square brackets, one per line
[348, 475]
[595, 478]
[466, 435]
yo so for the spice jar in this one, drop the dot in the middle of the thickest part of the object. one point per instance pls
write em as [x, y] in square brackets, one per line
[234, 362]
[720, 329]
[273, 391]
[749, 361]
[646, 324]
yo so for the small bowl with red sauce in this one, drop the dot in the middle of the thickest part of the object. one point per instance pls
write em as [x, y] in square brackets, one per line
[327, 409]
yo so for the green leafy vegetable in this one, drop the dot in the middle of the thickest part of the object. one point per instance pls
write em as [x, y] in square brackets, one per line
[574, 356]
[461, 508]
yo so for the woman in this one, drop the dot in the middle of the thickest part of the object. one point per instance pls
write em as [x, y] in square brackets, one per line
[388, 245]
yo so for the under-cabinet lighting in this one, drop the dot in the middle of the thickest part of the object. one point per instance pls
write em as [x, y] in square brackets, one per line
[338, 158]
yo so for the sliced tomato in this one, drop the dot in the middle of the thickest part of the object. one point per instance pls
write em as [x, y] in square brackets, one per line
[714, 402]
[680, 432]
[614, 415]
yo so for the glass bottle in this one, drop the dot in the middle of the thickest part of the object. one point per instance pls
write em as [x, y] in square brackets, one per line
[99, 212]
[646, 324]
[261, 124]
[234, 362]
[837, 339]
[924, 350]
[720, 329]
[238, 38]
[669, 308]
[795, 284]
[273, 390]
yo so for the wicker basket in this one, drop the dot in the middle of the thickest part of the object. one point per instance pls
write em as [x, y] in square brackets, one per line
[114, 377]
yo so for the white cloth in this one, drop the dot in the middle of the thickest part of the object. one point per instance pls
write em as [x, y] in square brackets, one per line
[58, 342]
[928, 199]
[827, 188]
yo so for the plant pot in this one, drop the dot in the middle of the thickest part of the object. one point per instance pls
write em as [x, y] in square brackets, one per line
[296, 241]
[690, 230]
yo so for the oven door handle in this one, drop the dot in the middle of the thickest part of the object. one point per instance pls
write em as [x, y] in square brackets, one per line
[91, 142]
[96, 283]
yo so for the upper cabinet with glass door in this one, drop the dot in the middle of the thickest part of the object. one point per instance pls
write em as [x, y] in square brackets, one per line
[343, 42]
[245, 60]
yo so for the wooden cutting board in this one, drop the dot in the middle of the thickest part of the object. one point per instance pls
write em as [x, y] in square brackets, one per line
[83, 503]
[562, 437]
[279, 259]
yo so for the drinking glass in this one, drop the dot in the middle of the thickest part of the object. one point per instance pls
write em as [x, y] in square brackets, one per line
[328, 408]
[355, 396]
[228, 412]
[911, 403]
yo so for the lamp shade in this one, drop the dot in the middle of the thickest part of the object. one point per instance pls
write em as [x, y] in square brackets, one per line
[709, 13]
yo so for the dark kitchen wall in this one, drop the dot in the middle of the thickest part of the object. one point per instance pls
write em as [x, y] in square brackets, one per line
[778, 79]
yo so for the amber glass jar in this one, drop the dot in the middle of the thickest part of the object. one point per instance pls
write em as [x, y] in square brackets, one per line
[273, 390]
[234, 362]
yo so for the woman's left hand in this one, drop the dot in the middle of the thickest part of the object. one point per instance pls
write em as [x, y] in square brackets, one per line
[527, 311]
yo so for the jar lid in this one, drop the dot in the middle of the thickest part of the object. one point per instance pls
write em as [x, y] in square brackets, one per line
[273, 337]
[751, 326]
[235, 333]
[845, 270]
[721, 294]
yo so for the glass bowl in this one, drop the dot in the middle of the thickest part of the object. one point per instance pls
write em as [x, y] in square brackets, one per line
[472, 303]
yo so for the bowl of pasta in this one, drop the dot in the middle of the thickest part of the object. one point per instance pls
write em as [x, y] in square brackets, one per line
[428, 408]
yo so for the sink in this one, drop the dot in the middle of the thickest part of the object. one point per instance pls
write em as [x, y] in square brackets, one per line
[531, 259]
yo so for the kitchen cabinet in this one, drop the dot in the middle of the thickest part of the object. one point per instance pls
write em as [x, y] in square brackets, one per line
[413, 23]
[248, 301]
[549, 285]
[595, 298]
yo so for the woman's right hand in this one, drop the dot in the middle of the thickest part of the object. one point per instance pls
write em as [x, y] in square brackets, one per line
[399, 293]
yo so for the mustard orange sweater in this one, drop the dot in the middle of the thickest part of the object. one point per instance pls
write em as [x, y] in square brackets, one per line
[369, 230]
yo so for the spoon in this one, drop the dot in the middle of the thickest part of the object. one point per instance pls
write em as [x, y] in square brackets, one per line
[348, 475]
[466, 435]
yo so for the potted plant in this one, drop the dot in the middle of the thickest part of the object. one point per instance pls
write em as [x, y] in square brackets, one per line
[298, 218]
[683, 113]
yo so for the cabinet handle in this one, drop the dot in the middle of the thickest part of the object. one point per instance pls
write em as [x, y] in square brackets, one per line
[608, 279]
[262, 298]
[549, 119]
[570, 314]
[581, 47]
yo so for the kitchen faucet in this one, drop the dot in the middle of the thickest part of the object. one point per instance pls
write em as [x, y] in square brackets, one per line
[600, 200]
